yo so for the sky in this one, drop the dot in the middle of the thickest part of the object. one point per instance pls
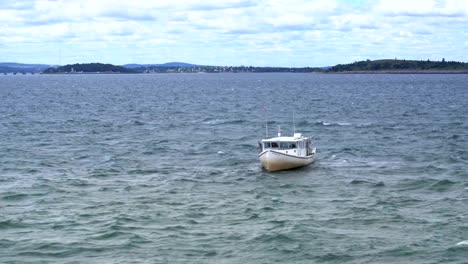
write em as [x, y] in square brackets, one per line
[287, 33]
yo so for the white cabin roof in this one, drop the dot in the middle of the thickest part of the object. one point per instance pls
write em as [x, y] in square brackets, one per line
[285, 139]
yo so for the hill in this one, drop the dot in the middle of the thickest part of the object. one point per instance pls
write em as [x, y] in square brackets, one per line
[90, 68]
[6, 67]
[401, 66]
[164, 65]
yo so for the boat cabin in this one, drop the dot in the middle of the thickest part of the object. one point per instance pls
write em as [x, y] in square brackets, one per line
[296, 145]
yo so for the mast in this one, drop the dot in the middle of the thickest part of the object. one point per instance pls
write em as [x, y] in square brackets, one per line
[294, 124]
[266, 122]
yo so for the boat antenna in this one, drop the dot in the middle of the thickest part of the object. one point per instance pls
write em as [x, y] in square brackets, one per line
[294, 124]
[266, 122]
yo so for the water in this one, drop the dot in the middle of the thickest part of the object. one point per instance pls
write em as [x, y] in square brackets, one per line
[164, 169]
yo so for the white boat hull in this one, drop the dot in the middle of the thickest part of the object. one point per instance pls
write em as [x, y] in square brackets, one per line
[275, 160]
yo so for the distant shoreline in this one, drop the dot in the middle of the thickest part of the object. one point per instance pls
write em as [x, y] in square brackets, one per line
[81, 73]
[315, 72]
[403, 72]
[156, 73]
[385, 66]
[395, 66]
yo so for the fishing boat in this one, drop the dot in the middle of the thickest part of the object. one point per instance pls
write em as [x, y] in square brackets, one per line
[284, 153]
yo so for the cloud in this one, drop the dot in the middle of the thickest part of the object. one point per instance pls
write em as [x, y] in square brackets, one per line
[15, 5]
[423, 8]
[216, 5]
[296, 32]
[243, 31]
[122, 15]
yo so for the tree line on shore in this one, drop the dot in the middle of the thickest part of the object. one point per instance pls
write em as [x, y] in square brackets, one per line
[400, 65]
[90, 68]
[358, 66]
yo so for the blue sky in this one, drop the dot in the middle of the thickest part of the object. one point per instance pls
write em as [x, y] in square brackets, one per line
[291, 33]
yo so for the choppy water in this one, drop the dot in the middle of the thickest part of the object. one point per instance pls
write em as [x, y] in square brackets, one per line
[164, 169]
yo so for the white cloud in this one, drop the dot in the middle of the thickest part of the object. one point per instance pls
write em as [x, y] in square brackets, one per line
[423, 7]
[296, 32]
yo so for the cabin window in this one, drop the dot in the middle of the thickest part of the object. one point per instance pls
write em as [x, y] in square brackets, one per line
[266, 145]
[288, 145]
[274, 144]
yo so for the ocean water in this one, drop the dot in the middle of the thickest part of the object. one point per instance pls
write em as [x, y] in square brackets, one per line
[164, 169]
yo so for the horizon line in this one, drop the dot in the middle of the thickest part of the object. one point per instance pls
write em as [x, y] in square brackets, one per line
[213, 65]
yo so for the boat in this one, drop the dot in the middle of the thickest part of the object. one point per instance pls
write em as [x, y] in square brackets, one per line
[284, 153]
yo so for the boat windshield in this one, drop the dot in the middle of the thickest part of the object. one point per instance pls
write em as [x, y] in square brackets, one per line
[280, 145]
[287, 145]
[270, 145]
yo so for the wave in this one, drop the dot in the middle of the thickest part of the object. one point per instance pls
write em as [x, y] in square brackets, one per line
[334, 257]
[100, 173]
[427, 183]
[15, 196]
[111, 235]
[273, 238]
[325, 123]
[142, 171]
[442, 185]
[360, 182]
[61, 250]
[79, 183]
[209, 121]
[10, 224]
